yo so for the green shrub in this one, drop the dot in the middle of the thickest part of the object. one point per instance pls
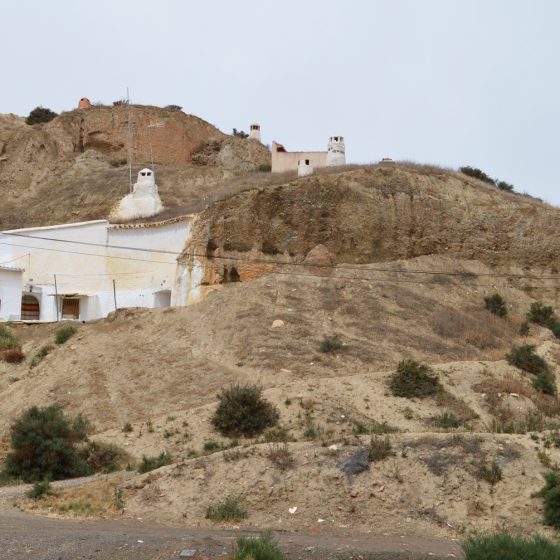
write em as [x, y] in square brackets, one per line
[8, 340]
[550, 494]
[127, 428]
[45, 446]
[174, 107]
[40, 115]
[258, 548]
[242, 411]
[503, 186]
[151, 463]
[210, 446]
[524, 328]
[64, 333]
[554, 326]
[503, 546]
[446, 421]
[40, 488]
[477, 174]
[492, 473]
[540, 314]
[239, 133]
[264, 168]
[40, 355]
[229, 509]
[544, 382]
[525, 358]
[413, 379]
[496, 304]
[331, 344]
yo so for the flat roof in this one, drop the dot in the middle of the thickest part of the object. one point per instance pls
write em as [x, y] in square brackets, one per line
[58, 226]
[11, 268]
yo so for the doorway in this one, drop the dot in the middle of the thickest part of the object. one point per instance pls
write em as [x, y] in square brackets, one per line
[30, 308]
[70, 308]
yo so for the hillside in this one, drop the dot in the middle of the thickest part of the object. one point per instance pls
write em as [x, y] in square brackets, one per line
[74, 167]
[393, 260]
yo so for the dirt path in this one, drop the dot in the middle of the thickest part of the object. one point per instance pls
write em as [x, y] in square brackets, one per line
[24, 536]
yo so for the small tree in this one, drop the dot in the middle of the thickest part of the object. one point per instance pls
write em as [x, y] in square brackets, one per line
[496, 304]
[239, 133]
[40, 115]
[44, 443]
[550, 494]
[243, 411]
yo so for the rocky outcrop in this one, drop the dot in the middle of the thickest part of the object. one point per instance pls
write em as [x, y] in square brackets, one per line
[372, 215]
[239, 154]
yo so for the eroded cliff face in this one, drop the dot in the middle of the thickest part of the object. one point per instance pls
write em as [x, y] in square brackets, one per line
[79, 158]
[371, 215]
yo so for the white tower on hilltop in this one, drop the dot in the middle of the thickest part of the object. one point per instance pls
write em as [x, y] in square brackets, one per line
[255, 132]
[336, 152]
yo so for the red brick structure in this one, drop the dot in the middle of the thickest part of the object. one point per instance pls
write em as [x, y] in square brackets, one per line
[84, 103]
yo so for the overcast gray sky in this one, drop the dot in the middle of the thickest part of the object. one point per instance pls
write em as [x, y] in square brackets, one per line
[452, 82]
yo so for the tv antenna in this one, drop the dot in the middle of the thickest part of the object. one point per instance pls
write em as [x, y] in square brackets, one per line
[157, 124]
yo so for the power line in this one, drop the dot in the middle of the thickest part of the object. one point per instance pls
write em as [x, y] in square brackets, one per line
[276, 263]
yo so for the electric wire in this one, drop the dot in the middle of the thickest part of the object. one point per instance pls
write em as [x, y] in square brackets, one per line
[268, 261]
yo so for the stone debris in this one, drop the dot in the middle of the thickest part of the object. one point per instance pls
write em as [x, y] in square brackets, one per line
[356, 463]
[292, 509]
[277, 323]
[187, 553]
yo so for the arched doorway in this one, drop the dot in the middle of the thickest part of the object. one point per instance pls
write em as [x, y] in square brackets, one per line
[30, 309]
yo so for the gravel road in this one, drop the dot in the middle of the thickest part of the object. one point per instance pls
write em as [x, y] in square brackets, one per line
[29, 537]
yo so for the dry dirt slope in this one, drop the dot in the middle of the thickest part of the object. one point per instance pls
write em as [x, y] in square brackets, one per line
[165, 367]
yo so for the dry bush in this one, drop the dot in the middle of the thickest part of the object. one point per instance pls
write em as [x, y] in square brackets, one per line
[379, 448]
[13, 356]
[455, 405]
[549, 405]
[505, 385]
[280, 456]
[479, 328]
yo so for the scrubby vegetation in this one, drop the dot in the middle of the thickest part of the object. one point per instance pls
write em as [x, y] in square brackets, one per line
[151, 463]
[491, 473]
[503, 546]
[13, 356]
[331, 344]
[40, 355]
[40, 115]
[379, 448]
[242, 411]
[8, 341]
[45, 446]
[481, 176]
[544, 382]
[39, 489]
[258, 548]
[413, 379]
[64, 333]
[545, 316]
[496, 304]
[524, 357]
[228, 509]
[550, 494]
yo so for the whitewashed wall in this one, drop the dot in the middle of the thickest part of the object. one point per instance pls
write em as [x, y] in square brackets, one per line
[11, 285]
[85, 262]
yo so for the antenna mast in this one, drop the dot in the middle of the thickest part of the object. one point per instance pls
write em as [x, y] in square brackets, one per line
[129, 135]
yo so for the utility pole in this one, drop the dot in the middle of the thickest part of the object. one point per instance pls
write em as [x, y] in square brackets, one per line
[129, 142]
[56, 298]
[157, 124]
[115, 294]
